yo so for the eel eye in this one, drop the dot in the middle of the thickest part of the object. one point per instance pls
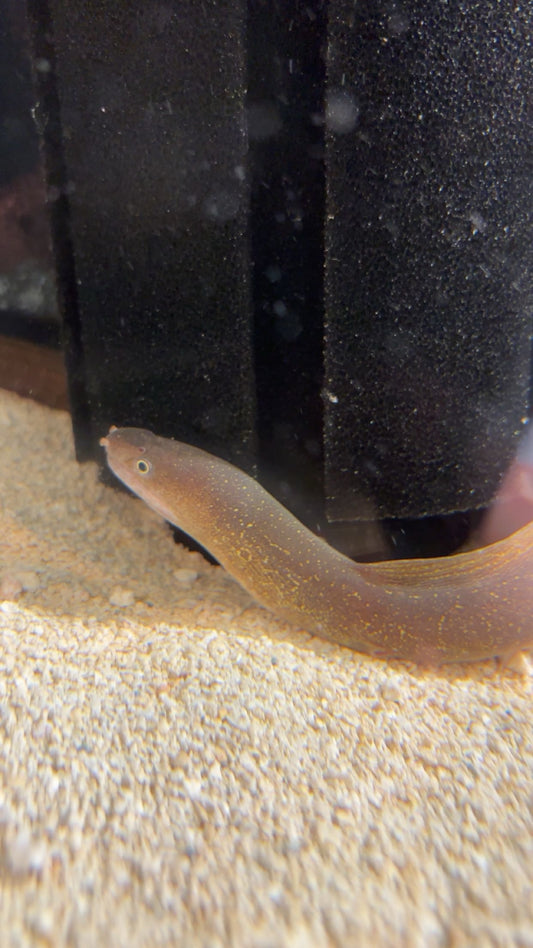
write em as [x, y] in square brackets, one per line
[143, 466]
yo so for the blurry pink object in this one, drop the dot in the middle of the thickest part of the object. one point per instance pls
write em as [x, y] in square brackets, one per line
[512, 507]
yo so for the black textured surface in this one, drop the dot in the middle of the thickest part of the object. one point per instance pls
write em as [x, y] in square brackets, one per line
[286, 73]
[19, 145]
[428, 259]
[148, 175]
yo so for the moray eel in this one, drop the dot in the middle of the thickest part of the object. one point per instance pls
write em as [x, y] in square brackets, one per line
[465, 607]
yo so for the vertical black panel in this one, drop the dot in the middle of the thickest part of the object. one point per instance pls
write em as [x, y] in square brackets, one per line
[142, 108]
[286, 70]
[428, 250]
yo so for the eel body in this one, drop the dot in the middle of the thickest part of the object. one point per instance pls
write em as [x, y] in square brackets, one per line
[465, 607]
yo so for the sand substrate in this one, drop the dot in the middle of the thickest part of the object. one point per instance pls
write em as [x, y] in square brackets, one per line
[177, 767]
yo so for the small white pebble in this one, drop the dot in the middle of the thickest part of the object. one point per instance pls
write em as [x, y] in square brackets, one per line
[391, 692]
[186, 576]
[7, 607]
[42, 924]
[193, 789]
[23, 855]
[121, 597]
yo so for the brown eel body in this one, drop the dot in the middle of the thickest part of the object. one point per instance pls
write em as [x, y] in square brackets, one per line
[460, 608]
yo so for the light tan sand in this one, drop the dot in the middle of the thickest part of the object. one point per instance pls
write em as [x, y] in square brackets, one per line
[179, 768]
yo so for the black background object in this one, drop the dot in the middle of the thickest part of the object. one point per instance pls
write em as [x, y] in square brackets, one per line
[142, 112]
[19, 146]
[428, 252]
[297, 234]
